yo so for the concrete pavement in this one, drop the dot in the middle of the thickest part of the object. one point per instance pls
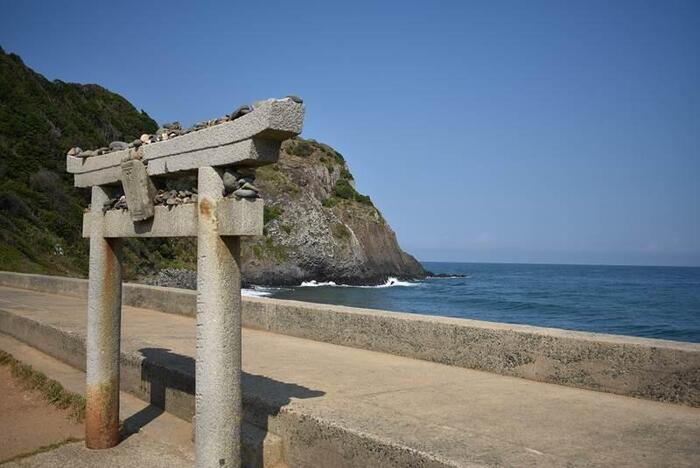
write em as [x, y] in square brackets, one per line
[442, 415]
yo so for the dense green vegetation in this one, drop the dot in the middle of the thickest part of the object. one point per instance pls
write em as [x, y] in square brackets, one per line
[40, 211]
[343, 189]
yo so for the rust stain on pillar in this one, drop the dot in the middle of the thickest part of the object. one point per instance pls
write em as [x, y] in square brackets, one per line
[101, 415]
[206, 208]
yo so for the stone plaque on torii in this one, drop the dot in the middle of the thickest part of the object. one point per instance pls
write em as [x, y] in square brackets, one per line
[218, 222]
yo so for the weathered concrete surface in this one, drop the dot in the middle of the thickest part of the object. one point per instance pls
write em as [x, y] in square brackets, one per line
[218, 370]
[74, 287]
[235, 217]
[645, 368]
[247, 153]
[136, 451]
[144, 417]
[339, 406]
[252, 139]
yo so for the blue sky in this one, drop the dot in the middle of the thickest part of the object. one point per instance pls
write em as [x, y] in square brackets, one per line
[559, 132]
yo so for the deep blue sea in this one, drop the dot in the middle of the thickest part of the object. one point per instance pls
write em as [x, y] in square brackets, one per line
[654, 302]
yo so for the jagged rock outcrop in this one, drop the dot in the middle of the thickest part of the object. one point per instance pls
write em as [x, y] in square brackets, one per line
[319, 227]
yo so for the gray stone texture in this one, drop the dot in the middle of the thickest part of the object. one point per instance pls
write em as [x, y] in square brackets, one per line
[138, 188]
[251, 139]
[218, 340]
[234, 217]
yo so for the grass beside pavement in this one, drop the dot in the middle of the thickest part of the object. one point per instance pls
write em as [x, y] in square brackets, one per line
[52, 391]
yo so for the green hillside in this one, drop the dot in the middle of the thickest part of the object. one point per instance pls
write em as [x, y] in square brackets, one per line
[39, 120]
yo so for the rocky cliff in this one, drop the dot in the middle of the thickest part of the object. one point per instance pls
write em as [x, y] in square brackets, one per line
[317, 226]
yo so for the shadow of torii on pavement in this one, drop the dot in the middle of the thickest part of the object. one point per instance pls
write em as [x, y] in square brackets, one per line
[163, 370]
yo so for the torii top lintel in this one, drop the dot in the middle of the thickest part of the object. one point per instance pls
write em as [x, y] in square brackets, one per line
[251, 140]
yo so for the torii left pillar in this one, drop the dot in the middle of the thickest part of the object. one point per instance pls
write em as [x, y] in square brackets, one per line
[103, 333]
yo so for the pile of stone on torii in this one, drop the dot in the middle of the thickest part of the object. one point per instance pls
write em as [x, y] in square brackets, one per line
[223, 207]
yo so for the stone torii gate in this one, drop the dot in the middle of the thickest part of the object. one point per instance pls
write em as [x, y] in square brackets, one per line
[218, 223]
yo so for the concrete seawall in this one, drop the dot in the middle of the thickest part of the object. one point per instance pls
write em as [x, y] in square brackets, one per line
[645, 368]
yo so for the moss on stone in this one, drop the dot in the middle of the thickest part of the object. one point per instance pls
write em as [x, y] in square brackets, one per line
[270, 213]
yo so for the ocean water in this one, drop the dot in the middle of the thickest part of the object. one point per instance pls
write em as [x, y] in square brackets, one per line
[654, 302]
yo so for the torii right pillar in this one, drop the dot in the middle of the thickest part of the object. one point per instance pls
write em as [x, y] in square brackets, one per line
[218, 370]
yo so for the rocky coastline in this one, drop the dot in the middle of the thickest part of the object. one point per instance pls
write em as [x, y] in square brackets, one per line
[187, 279]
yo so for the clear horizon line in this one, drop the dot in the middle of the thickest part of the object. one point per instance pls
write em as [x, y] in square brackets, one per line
[565, 264]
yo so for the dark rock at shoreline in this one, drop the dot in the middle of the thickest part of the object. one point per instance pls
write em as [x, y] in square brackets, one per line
[187, 279]
[445, 275]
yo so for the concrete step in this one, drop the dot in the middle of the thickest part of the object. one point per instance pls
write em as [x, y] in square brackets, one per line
[344, 407]
[259, 449]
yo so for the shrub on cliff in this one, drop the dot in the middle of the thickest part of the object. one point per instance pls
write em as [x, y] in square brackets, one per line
[343, 189]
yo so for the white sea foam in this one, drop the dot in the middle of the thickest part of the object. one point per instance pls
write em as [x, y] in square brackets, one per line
[390, 283]
[255, 292]
[315, 284]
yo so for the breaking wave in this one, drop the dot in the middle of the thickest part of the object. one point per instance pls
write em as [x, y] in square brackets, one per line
[255, 292]
[390, 283]
[315, 284]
